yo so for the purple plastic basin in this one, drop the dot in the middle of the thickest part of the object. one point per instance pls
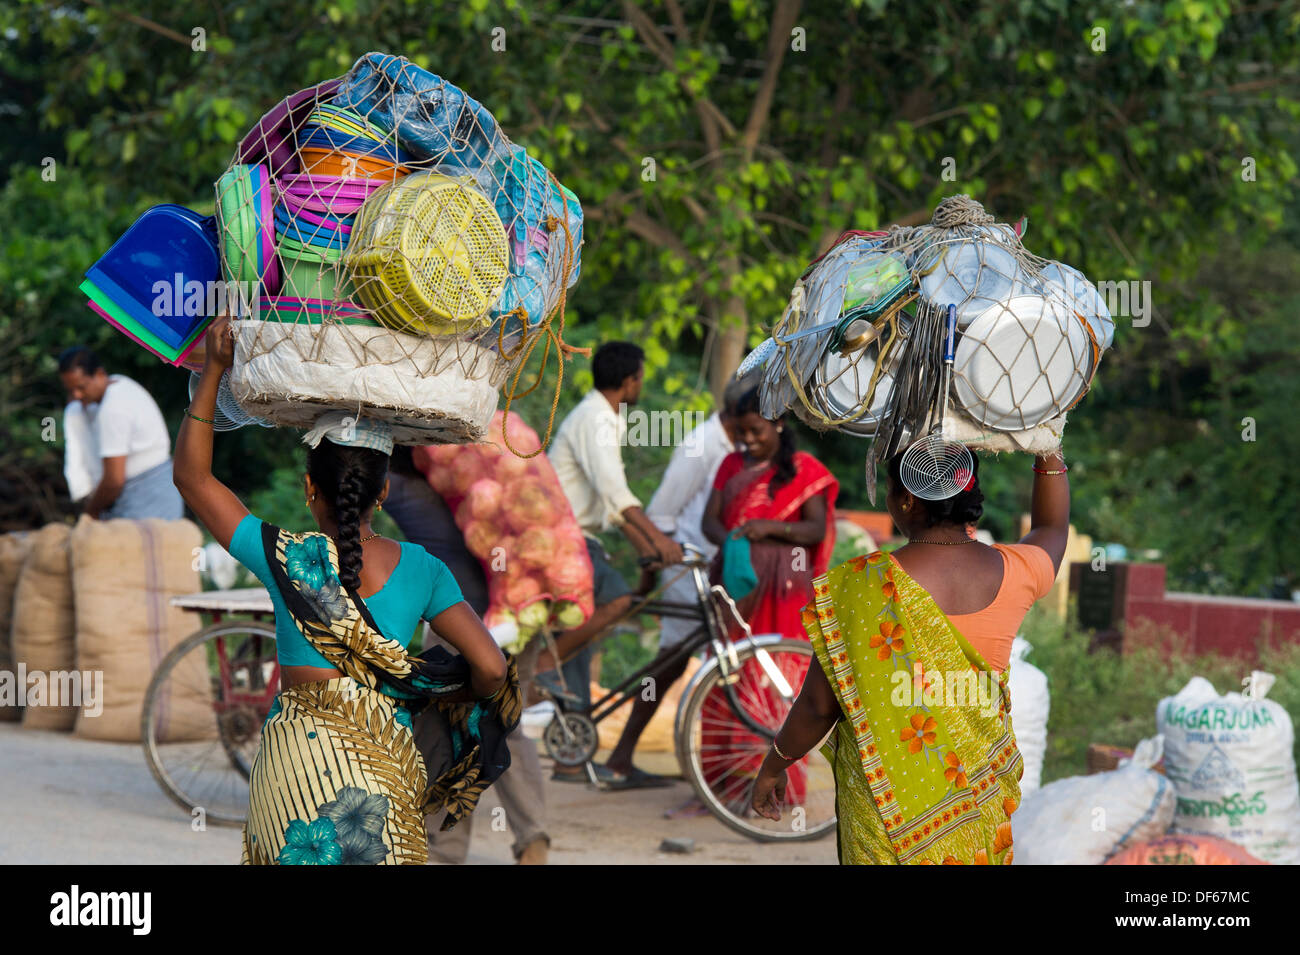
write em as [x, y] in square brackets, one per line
[313, 219]
[301, 205]
[329, 187]
[273, 140]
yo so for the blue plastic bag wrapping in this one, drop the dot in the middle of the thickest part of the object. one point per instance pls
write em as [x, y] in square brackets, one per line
[526, 199]
[433, 119]
[440, 124]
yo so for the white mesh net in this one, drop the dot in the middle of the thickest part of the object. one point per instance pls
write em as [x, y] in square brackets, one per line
[397, 255]
[859, 345]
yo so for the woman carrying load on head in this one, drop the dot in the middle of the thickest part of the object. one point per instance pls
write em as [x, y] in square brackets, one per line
[337, 778]
[913, 648]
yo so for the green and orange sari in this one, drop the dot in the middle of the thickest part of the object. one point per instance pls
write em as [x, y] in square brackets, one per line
[926, 765]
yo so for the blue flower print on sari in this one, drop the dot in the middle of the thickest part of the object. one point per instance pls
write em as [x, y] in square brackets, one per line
[368, 852]
[330, 601]
[310, 843]
[358, 818]
[307, 563]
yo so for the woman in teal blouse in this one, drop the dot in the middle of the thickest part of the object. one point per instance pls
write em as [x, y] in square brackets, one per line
[337, 778]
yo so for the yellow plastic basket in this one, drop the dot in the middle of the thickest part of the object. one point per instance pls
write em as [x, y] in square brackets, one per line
[429, 254]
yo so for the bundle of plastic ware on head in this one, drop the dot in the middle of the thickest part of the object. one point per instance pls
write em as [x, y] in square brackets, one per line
[860, 346]
[400, 258]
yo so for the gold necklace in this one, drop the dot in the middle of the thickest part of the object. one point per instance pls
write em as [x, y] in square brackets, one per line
[370, 538]
[968, 540]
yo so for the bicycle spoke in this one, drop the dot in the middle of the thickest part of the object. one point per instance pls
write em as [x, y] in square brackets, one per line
[725, 751]
[203, 761]
[737, 787]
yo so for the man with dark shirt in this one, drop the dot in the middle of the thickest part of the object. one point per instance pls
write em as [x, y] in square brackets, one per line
[425, 519]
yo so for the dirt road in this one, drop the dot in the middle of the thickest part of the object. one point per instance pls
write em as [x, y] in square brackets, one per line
[68, 800]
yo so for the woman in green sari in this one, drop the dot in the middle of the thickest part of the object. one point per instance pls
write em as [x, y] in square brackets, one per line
[911, 696]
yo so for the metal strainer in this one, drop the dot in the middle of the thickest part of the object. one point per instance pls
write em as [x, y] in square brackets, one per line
[228, 415]
[932, 468]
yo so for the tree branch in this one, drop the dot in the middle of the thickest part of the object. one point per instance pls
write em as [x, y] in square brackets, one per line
[143, 22]
[839, 105]
[640, 224]
[778, 41]
[659, 45]
[942, 114]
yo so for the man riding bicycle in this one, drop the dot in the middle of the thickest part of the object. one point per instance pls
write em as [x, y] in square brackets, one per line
[587, 457]
[676, 509]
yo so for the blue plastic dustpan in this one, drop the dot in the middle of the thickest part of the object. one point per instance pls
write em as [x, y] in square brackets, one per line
[166, 242]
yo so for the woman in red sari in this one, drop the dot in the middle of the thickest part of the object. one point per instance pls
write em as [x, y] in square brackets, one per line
[783, 500]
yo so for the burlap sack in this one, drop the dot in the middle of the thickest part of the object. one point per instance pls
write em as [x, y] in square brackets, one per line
[124, 574]
[43, 625]
[14, 549]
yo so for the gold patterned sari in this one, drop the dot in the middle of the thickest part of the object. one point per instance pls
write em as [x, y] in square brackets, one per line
[337, 779]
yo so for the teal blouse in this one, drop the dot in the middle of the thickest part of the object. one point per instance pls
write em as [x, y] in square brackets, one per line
[419, 588]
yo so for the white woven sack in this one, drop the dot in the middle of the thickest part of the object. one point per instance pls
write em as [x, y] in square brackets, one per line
[1084, 820]
[1231, 761]
[430, 390]
[1030, 704]
[1037, 440]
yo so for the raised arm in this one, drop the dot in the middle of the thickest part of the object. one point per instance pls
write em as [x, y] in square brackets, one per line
[1049, 507]
[214, 504]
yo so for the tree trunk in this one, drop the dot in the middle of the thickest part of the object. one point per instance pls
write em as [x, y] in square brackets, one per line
[732, 336]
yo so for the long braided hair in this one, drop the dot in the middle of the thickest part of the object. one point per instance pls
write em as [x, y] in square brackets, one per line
[783, 460]
[351, 479]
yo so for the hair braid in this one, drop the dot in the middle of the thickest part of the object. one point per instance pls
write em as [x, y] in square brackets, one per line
[783, 460]
[347, 514]
[351, 480]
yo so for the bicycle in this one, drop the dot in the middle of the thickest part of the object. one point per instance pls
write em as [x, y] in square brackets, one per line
[729, 713]
[232, 663]
[204, 765]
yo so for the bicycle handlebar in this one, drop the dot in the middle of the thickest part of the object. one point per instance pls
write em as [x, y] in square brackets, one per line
[693, 557]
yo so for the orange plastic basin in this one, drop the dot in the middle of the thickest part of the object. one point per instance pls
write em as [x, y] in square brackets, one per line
[333, 162]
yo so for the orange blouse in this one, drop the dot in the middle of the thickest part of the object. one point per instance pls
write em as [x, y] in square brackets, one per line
[1027, 576]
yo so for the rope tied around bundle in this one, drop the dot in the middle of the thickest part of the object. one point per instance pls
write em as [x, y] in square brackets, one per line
[960, 210]
[962, 257]
[546, 329]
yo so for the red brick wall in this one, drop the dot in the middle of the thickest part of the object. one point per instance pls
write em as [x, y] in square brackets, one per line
[1225, 625]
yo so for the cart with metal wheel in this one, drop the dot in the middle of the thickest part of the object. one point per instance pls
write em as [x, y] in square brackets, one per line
[232, 663]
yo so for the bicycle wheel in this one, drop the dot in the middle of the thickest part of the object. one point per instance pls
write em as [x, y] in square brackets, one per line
[204, 762]
[720, 754]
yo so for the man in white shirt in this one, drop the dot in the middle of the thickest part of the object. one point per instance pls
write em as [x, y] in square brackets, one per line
[677, 508]
[117, 448]
[587, 456]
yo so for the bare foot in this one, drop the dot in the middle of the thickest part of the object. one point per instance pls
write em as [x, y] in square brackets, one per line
[690, 809]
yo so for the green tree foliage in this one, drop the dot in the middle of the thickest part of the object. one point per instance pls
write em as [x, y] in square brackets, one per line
[717, 149]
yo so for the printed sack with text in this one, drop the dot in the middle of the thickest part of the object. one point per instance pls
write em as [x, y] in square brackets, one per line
[1230, 759]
